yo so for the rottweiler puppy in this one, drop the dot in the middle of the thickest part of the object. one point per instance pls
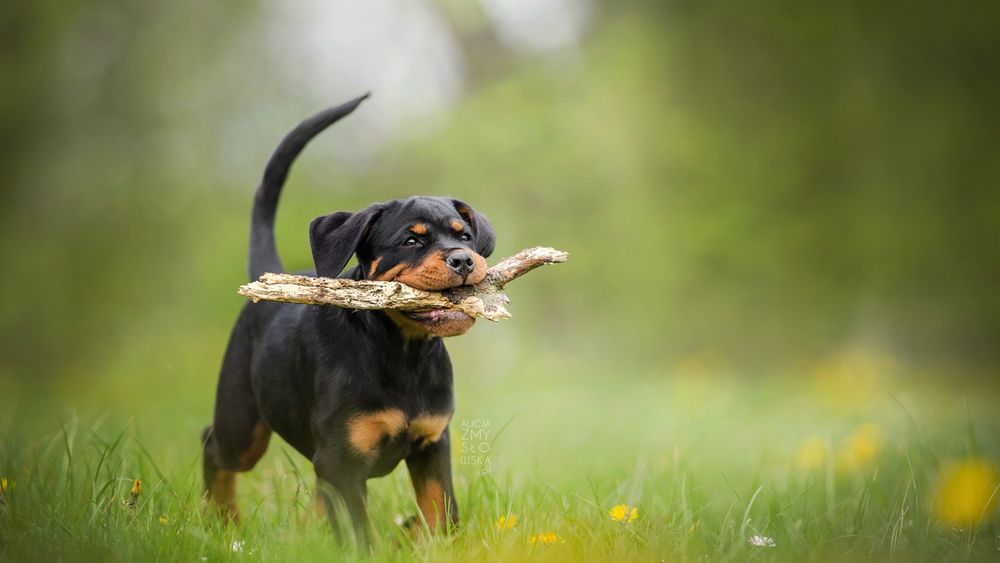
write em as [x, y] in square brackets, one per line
[356, 392]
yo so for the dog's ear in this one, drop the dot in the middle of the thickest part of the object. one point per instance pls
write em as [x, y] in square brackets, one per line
[334, 238]
[482, 230]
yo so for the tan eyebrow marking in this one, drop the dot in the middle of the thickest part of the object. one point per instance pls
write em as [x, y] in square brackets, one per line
[419, 229]
[457, 225]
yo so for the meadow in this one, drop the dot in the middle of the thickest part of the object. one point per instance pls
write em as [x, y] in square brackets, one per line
[775, 337]
[851, 459]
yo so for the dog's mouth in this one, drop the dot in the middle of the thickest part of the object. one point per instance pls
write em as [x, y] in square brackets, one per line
[441, 322]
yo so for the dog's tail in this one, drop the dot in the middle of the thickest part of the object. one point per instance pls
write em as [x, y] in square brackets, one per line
[263, 251]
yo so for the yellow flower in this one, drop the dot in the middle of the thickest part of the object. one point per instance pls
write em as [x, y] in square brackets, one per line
[854, 377]
[624, 513]
[506, 522]
[4, 485]
[545, 539]
[859, 449]
[811, 454]
[164, 521]
[133, 498]
[966, 493]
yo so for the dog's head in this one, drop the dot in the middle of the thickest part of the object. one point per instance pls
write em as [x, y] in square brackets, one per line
[430, 243]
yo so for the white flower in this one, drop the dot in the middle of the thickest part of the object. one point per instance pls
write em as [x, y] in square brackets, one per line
[761, 541]
[239, 546]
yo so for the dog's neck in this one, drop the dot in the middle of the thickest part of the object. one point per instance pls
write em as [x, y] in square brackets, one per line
[407, 359]
[398, 327]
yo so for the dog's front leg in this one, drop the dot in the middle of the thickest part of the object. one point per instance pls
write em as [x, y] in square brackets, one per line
[430, 471]
[341, 488]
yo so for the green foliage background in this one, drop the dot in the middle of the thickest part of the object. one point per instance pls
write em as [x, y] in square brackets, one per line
[749, 187]
[766, 184]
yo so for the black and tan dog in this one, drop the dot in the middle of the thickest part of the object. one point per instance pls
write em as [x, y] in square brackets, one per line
[354, 391]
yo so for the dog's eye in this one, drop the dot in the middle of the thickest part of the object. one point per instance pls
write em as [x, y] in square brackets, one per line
[411, 241]
[466, 237]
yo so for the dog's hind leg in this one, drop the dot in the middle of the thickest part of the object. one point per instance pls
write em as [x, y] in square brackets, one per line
[238, 436]
[220, 484]
[220, 478]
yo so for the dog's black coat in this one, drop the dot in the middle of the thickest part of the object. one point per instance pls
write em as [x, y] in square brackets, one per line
[354, 391]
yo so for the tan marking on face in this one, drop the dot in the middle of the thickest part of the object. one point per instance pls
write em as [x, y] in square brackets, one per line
[478, 272]
[411, 328]
[365, 431]
[391, 273]
[433, 274]
[428, 428]
[457, 226]
[415, 329]
[430, 499]
[419, 229]
[374, 266]
[258, 445]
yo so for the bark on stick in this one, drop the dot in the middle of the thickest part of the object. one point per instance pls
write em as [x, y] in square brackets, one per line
[485, 300]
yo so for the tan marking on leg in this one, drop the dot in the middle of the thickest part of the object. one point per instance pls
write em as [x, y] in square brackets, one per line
[430, 499]
[318, 509]
[428, 428]
[457, 226]
[365, 431]
[258, 445]
[223, 492]
[320, 503]
[419, 229]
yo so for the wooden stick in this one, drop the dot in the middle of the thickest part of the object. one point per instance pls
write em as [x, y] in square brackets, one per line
[485, 300]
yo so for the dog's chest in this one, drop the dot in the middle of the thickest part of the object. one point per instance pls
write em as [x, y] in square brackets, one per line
[369, 433]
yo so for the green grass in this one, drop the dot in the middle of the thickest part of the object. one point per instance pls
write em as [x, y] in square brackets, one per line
[710, 459]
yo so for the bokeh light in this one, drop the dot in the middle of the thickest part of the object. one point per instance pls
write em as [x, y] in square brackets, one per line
[966, 493]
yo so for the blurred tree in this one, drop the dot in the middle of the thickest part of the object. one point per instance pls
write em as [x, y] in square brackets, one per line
[782, 178]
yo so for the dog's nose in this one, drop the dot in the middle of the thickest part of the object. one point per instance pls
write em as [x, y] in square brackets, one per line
[460, 262]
